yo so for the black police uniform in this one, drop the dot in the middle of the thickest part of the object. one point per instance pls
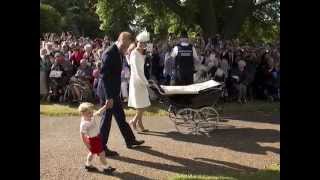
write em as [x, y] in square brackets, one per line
[184, 65]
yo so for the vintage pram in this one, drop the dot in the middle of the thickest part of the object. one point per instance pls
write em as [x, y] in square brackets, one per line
[191, 108]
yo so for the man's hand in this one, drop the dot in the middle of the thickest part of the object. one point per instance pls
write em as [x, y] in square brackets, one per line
[109, 103]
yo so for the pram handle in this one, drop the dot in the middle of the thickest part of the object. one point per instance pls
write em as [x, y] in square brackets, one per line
[154, 84]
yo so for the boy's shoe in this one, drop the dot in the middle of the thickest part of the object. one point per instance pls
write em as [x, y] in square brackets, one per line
[109, 170]
[90, 168]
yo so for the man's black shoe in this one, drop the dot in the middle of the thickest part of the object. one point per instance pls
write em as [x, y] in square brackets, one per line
[109, 170]
[135, 143]
[108, 152]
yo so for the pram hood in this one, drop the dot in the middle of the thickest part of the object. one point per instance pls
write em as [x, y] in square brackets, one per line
[190, 89]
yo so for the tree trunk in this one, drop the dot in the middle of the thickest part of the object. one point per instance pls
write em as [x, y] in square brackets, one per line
[236, 18]
[207, 18]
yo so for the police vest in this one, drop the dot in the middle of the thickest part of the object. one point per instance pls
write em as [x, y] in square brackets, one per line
[184, 59]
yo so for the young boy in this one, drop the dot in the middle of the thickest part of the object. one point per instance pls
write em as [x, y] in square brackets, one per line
[89, 131]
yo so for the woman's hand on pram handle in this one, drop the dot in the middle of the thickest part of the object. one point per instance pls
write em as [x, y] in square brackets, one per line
[154, 85]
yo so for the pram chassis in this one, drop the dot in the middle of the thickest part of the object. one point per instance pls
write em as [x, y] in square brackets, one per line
[197, 117]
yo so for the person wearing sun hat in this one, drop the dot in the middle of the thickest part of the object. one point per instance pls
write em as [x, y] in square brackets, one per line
[138, 86]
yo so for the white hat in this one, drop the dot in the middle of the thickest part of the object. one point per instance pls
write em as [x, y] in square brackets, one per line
[143, 37]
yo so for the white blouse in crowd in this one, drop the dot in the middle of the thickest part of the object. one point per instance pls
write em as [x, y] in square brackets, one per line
[90, 128]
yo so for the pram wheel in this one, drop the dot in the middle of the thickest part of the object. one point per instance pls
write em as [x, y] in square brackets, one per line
[210, 118]
[186, 121]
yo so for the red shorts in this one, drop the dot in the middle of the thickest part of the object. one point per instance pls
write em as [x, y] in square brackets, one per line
[95, 145]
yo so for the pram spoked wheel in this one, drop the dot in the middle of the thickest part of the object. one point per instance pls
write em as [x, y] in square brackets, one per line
[210, 118]
[185, 120]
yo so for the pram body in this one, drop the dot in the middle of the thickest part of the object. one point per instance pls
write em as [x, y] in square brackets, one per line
[192, 108]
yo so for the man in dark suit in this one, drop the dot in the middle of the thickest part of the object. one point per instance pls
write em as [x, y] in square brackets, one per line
[109, 93]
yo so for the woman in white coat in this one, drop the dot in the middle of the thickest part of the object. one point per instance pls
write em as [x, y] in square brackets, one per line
[138, 92]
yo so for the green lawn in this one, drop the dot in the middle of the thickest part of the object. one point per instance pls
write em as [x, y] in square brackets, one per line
[270, 173]
[66, 110]
[157, 109]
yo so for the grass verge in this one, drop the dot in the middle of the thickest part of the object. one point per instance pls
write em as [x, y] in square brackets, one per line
[159, 110]
[67, 110]
[270, 173]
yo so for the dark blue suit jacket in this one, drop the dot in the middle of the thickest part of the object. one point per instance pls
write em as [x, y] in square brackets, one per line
[110, 81]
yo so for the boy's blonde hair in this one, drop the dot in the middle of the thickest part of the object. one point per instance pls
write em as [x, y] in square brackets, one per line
[85, 107]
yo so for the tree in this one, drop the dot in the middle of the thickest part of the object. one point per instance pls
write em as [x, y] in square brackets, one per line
[50, 19]
[116, 16]
[77, 16]
[225, 17]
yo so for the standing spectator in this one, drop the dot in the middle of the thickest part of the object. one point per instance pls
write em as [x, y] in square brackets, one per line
[96, 76]
[270, 80]
[210, 44]
[125, 73]
[44, 70]
[49, 47]
[168, 66]
[251, 67]
[76, 56]
[65, 51]
[155, 65]
[185, 55]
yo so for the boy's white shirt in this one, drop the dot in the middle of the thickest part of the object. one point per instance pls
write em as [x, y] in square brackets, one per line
[90, 128]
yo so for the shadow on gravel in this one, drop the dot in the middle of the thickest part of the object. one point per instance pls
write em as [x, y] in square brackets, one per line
[122, 175]
[188, 166]
[254, 117]
[237, 139]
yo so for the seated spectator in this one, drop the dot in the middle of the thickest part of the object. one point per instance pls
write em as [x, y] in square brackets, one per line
[96, 76]
[88, 54]
[240, 79]
[58, 82]
[84, 72]
[83, 77]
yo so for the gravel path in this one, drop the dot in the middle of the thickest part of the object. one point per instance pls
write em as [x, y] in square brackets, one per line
[244, 145]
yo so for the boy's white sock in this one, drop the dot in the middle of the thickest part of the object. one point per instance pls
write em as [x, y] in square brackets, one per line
[105, 166]
[88, 163]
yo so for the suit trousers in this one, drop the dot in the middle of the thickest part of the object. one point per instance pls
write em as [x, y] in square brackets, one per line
[118, 112]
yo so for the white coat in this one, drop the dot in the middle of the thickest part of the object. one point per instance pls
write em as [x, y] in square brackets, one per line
[138, 92]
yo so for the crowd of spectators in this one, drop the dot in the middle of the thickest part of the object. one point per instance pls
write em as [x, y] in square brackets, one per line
[249, 71]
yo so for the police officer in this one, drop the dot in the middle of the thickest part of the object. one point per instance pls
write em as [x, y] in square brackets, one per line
[185, 57]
